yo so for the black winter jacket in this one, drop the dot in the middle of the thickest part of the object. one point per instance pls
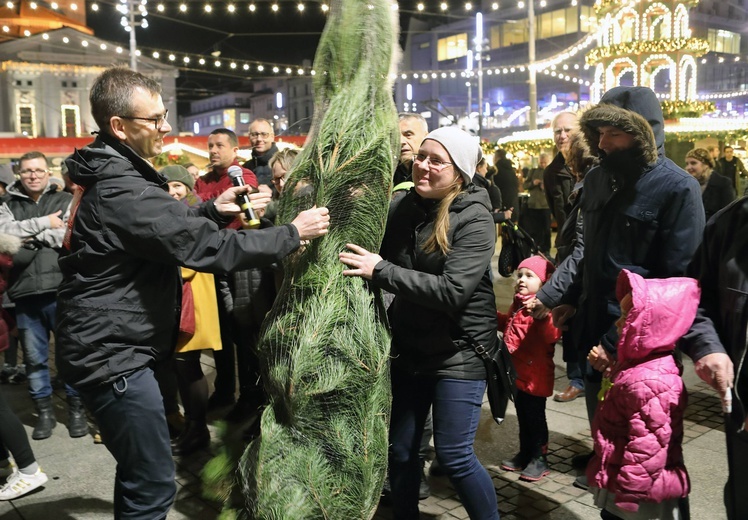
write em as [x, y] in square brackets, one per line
[118, 304]
[260, 167]
[558, 182]
[35, 270]
[719, 192]
[646, 217]
[721, 266]
[435, 293]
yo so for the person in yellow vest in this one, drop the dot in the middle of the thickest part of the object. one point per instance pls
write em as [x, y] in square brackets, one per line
[198, 331]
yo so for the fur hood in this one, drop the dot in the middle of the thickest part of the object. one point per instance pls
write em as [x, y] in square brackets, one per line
[9, 244]
[636, 111]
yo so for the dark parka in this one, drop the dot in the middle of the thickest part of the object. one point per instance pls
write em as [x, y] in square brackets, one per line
[719, 192]
[647, 221]
[721, 266]
[434, 293]
[35, 269]
[559, 183]
[118, 303]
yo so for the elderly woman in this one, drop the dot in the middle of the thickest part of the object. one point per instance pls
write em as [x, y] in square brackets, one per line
[435, 258]
[716, 190]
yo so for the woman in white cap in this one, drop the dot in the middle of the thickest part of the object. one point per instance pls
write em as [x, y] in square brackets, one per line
[435, 258]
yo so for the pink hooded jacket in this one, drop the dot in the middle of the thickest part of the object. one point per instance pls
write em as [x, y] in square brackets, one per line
[638, 427]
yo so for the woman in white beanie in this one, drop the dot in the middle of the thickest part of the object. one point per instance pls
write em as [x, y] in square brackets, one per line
[435, 258]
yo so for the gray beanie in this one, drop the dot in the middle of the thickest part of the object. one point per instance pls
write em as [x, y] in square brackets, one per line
[178, 173]
[462, 148]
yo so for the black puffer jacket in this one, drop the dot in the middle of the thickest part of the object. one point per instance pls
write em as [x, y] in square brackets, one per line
[118, 304]
[35, 269]
[435, 293]
[641, 211]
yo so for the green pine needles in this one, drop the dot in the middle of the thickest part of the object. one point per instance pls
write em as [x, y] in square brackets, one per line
[322, 452]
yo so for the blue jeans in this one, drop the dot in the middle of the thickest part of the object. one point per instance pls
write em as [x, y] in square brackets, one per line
[574, 373]
[456, 410]
[35, 316]
[132, 422]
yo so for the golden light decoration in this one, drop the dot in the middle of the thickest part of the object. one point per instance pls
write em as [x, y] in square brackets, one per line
[678, 109]
[604, 6]
[695, 46]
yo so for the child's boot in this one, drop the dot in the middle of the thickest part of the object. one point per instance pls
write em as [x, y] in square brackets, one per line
[537, 468]
[516, 463]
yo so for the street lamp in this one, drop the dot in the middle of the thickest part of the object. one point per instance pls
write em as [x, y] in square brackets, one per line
[129, 9]
[533, 85]
[479, 57]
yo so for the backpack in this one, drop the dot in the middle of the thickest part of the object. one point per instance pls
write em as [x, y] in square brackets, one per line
[516, 245]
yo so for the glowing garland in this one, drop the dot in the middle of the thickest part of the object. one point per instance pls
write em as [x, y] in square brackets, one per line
[603, 6]
[696, 46]
[678, 109]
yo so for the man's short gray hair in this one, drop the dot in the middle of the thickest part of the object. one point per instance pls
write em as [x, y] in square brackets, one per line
[417, 117]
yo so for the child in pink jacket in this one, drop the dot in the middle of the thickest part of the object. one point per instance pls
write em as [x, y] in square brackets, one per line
[531, 343]
[637, 471]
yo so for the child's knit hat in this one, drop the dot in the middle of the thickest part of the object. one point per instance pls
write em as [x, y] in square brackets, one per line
[178, 173]
[538, 265]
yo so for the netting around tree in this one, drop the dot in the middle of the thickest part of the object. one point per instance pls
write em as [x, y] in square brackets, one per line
[322, 452]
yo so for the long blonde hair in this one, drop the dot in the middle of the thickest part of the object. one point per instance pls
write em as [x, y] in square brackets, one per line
[438, 239]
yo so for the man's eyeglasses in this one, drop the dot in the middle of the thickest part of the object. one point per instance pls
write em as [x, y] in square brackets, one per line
[435, 165]
[255, 135]
[38, 172]
[158, 122]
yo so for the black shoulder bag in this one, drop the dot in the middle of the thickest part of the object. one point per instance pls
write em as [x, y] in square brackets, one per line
[500, 377]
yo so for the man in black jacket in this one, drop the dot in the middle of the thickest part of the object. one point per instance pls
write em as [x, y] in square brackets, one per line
[717, 339]
[36, 211]
[262, 138]
[118, 304]
[731, 167]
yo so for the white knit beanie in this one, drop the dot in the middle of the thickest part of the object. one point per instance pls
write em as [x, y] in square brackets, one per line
[462, 148]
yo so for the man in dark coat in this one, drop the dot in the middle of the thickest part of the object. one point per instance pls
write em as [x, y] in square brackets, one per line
[717, 339]
[413, 128]
[262, 138]
[118, 304]
[558, 180]
[731, 167]
[640, 211]
[506, 180]
[36, 210]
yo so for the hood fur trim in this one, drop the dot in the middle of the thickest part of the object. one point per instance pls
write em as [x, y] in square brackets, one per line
[630, 122]
[9, 244]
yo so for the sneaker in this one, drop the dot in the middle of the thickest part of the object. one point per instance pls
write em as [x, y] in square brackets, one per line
[581, 461]
[19, 376]
[516, 463]
[424, 489]
[20, 484]
[536, 469]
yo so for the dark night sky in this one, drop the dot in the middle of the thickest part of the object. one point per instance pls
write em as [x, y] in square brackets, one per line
[286, 37]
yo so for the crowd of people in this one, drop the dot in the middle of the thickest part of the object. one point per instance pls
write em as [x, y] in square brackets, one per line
[134, 298]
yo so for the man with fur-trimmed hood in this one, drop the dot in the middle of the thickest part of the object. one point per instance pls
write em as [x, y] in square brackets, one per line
[641, 212]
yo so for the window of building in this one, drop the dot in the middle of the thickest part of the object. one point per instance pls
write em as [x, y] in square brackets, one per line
[244, 117]
[513, 33]
[26, 120]
[71, 121]
[64, 84]
[452, 47]
[723, 41]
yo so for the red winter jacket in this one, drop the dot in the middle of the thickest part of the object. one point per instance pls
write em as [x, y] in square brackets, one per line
[216, 181]
[531, 343]
[638, 427]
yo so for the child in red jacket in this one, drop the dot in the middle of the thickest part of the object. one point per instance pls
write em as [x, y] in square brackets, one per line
[531, 343]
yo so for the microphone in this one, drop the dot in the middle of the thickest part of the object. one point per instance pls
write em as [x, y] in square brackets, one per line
[237, 179]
